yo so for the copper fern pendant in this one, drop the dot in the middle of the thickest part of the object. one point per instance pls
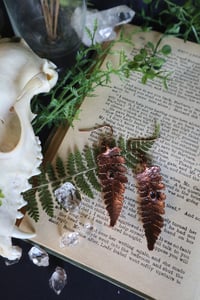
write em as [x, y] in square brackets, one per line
[151, 207]
[111, 173]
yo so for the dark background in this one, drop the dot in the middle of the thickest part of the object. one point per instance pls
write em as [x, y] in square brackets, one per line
[27, 281]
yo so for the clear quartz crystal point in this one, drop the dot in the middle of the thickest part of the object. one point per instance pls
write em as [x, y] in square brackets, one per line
[68, 196]
[39, 256]
[69, 239]
[87, 228]
[58, 280]
[106, 21]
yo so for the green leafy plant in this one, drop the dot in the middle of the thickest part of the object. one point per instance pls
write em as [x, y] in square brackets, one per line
[82, 79]
[150, 60]
[81, 170]
[182, 20]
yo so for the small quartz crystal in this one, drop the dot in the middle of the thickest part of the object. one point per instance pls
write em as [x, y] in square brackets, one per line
[58, 280]
[39, 256]
[68, 196]
[87, 228]
[69, 239]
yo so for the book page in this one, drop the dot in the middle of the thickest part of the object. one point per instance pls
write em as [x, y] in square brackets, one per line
[120, 254]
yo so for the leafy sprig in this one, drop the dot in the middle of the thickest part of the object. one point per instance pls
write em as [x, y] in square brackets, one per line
[182, 20]
[150, 60]
[82, 79]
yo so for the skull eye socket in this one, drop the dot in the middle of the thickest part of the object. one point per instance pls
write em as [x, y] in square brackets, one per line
[49, 76]
[10, 131]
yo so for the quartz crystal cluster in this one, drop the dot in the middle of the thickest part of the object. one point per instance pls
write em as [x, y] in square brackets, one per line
[39, 256]
[106, 21]
[69, 239]
[68, 196]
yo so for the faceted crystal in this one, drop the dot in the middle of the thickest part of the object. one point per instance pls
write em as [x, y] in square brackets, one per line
[39, 256]
[69, 239]
[87, 228]
[106, 20]
[58, 280]
[68, 196]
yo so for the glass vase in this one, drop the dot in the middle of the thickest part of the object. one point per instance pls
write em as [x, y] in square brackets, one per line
[52, 28]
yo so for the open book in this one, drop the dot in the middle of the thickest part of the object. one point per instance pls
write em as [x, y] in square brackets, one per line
[119, 253]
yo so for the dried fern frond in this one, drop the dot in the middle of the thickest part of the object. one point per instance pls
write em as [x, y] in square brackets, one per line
[111, 173]
[151, 202]
[96, 168]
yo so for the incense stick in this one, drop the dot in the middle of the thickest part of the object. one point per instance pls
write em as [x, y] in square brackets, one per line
[50, 9]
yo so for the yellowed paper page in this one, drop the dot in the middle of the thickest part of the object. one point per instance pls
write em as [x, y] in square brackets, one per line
[120, 254]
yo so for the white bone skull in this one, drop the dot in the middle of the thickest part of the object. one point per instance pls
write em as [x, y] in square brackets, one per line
[22, 75]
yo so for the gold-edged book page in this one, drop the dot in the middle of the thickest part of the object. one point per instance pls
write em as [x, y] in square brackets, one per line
[120, 254]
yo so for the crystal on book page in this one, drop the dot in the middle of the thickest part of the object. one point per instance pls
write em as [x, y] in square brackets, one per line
[58, 280]
[39, 256]
[68, 196]
[87, 228]
[69, 239]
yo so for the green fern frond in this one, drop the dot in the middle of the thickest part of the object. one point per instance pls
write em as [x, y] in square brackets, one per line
[52, 176]
[83, 185]
[46, 200]
[122, 144]
[44, 195]
[41, 179]
[78, 158]
[90, 157]
[32, 205]
[143, 145]
[60, 167]
[92, 177]
[71, 167]
[131, 160]
[138, 148]
[49, 169]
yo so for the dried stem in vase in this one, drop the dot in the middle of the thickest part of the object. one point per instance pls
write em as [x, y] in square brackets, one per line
[50, 10]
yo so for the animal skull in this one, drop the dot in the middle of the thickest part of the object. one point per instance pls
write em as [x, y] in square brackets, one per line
[22, 75]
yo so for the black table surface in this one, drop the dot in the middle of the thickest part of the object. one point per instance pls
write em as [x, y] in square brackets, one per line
[27, 281]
